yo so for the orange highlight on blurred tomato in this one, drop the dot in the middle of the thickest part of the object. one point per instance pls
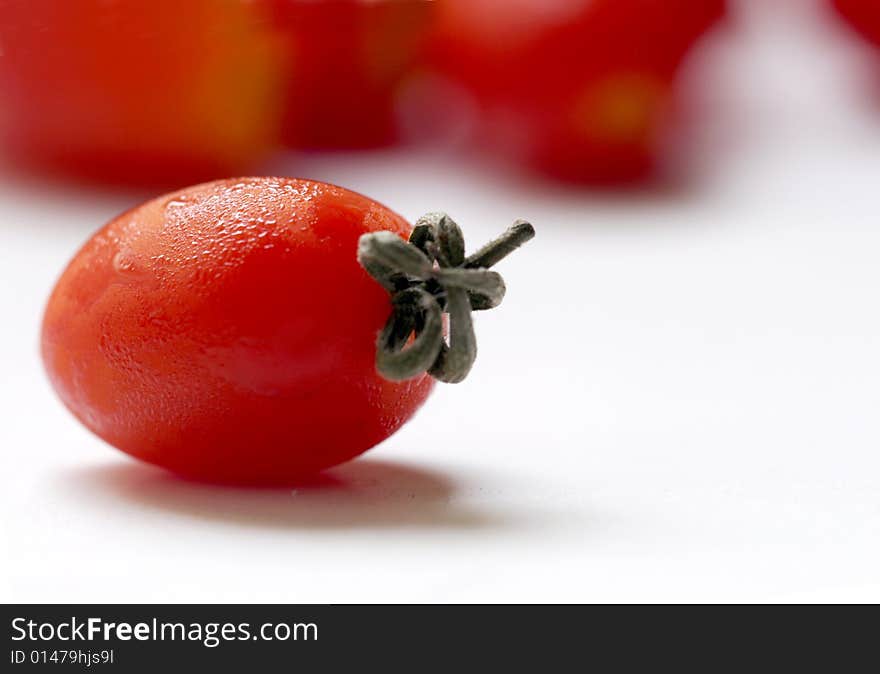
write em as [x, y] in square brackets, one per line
[154, 91]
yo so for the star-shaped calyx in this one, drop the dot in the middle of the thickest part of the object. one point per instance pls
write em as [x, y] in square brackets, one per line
[427, 276]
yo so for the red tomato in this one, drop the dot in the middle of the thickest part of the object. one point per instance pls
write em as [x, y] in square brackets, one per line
[149, 91]
[226, 332]
[581, 89]
[347, 60]
[863, 15]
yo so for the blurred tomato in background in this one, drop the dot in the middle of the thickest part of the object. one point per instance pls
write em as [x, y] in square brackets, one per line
[138, 90]
[346, 61]
[863, 15]
[156, 91]
[583, 90]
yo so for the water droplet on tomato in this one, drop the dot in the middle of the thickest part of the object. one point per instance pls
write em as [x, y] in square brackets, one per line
[125, 264]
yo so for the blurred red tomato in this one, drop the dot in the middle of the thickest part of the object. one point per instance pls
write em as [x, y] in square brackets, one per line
[347, 60]
[152, 91]
[580, 89]
[863, 15]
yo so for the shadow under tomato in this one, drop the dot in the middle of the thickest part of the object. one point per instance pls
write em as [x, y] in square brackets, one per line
[364, 493]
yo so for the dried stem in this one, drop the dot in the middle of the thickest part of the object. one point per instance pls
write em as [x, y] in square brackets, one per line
[427, 276]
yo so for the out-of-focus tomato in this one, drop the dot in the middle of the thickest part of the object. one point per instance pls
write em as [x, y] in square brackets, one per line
[346, 61]
[581, 89]
[863, 15]
[152, 91]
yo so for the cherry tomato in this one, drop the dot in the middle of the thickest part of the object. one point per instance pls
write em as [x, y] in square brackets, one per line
[863, 15]
[581, 89]
[150, 91]
[347, 60]
[226, 332]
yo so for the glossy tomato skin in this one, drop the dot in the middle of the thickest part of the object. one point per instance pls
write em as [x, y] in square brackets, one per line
[226, 332]
[583, 90]
[347, 61]
[147, 91]
[863, 15]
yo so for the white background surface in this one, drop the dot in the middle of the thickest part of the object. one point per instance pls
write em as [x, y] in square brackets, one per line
[678, 399]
